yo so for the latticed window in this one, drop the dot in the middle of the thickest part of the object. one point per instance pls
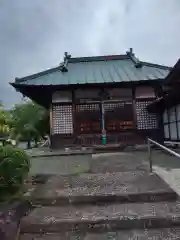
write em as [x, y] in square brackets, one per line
[87, 107]
[62, 119]
[145, 120]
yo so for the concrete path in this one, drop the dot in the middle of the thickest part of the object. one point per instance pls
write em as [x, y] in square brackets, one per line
[171, 177]
[60, 165]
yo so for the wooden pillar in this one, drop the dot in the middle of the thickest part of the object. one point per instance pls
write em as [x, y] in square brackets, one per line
[175, 109]
[138, 134]
[134, 106]
[74, 116]
[158, 93]
[103, 130]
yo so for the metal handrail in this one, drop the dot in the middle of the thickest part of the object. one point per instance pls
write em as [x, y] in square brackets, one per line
[149, 141]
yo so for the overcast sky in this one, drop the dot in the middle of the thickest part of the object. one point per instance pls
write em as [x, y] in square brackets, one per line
[34, 34]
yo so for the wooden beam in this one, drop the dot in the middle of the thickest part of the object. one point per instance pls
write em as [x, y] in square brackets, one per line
[134, 106]
[74, 113]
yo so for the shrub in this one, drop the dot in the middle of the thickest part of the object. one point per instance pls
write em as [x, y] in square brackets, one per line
[14, 167]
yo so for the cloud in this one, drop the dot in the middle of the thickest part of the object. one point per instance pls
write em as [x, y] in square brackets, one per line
[35, 34]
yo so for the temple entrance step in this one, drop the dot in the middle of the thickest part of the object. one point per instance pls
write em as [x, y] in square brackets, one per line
[119, 187]
[108, 217]
[157, 234]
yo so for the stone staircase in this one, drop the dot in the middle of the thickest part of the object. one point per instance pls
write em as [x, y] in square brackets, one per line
[118, 200]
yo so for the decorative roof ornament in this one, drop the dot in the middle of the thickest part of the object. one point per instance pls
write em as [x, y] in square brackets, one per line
[136, 61]
[64, 65]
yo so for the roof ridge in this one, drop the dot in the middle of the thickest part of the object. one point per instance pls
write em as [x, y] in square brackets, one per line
[98, 58]
[156, 65]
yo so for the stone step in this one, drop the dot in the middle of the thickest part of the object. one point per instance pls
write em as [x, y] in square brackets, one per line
[156, 234]
[93, 188]
[103, 217]
[77, 197]
[102, 179]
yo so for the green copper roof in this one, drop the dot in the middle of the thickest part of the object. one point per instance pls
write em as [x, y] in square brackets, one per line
[104, 69]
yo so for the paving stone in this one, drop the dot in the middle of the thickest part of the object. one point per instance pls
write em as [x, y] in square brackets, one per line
[92, 217]
[151, 234]
[91, 188]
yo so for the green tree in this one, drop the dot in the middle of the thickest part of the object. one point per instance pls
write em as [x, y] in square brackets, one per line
[4, 121]
[29, 122]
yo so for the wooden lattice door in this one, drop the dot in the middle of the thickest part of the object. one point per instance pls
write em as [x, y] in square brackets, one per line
[88, 118]
[118, 116]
